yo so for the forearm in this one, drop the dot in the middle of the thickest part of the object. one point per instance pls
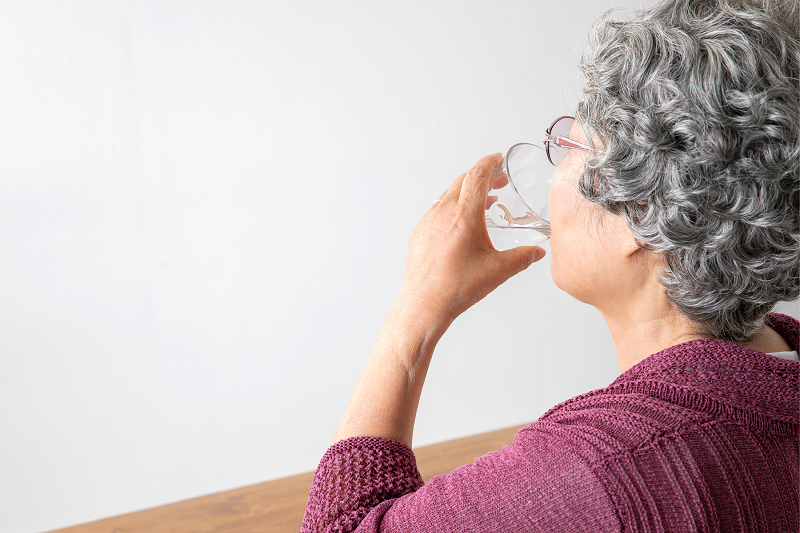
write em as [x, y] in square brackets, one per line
[387, 394]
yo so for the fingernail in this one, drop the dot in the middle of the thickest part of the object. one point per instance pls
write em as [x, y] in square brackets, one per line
[538, 254]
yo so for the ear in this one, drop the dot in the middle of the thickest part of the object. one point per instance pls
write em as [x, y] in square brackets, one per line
[628, 245]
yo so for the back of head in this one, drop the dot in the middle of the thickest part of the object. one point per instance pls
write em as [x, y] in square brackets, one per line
[697, 103]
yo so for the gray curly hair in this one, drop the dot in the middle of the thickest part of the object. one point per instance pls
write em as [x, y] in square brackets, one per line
[697, 104]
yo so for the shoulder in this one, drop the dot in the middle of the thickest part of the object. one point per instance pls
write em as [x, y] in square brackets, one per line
[607, 422]
[787, 326]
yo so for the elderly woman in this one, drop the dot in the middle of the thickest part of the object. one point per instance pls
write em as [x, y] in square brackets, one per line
[679, 222]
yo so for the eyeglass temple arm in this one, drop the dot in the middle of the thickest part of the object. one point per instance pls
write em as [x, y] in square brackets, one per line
[566, 142]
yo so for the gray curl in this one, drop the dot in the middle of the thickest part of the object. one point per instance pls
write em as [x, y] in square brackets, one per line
[697, 104]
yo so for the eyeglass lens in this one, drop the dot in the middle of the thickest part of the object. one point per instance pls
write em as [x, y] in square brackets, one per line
[560, 128]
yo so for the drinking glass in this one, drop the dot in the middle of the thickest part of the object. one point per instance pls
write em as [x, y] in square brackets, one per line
[517, 206]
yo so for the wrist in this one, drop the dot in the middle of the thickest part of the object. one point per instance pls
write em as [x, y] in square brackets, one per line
[421, 315]
[411, 331]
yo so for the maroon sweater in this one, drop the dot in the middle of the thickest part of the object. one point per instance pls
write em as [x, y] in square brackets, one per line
[702, 436]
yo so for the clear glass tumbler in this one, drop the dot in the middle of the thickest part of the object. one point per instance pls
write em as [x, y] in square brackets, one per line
[517, 207]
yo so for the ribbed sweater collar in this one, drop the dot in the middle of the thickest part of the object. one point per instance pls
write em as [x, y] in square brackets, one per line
[746, 382]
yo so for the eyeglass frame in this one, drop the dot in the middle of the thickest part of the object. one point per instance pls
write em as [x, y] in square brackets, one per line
[564, 142]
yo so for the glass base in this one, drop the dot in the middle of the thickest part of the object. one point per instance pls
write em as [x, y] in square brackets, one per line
[507, 238]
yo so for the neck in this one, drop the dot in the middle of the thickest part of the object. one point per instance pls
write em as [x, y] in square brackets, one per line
[643, 321]
[642, 328]
[645, 331]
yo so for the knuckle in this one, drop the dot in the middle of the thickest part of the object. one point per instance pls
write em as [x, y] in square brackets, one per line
[477, 170]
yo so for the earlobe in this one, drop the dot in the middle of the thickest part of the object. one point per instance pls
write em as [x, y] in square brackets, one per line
[628, 245]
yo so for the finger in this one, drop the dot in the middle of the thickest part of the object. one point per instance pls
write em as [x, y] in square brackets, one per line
[516, 260]
[476, 183]
[490, 201]
[452, 193]
[438, 200]
[499, 181]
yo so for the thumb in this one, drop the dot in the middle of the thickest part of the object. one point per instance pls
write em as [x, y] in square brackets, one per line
[518, 259]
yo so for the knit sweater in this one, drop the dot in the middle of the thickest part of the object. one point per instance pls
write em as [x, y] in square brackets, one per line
[702, 436]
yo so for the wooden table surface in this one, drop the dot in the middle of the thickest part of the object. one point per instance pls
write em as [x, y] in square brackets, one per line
[277, 506]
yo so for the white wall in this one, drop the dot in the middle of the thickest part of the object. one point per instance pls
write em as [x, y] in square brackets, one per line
[204, 215]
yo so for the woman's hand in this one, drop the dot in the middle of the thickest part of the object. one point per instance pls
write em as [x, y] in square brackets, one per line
[451, 261]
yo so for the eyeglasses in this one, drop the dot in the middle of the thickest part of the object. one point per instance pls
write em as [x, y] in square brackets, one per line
[557, 142]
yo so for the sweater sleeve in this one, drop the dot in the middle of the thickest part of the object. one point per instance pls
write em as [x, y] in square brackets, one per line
[538, 484]
[353, 477]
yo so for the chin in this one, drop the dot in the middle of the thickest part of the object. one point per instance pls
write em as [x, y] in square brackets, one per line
[563, 283]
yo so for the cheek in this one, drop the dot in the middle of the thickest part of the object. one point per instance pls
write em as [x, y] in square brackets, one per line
[575, 253]
[564, 197]
[559, 196]
[561, 205]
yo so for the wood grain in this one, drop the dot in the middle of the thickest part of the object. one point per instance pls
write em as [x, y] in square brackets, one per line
[277, 506]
